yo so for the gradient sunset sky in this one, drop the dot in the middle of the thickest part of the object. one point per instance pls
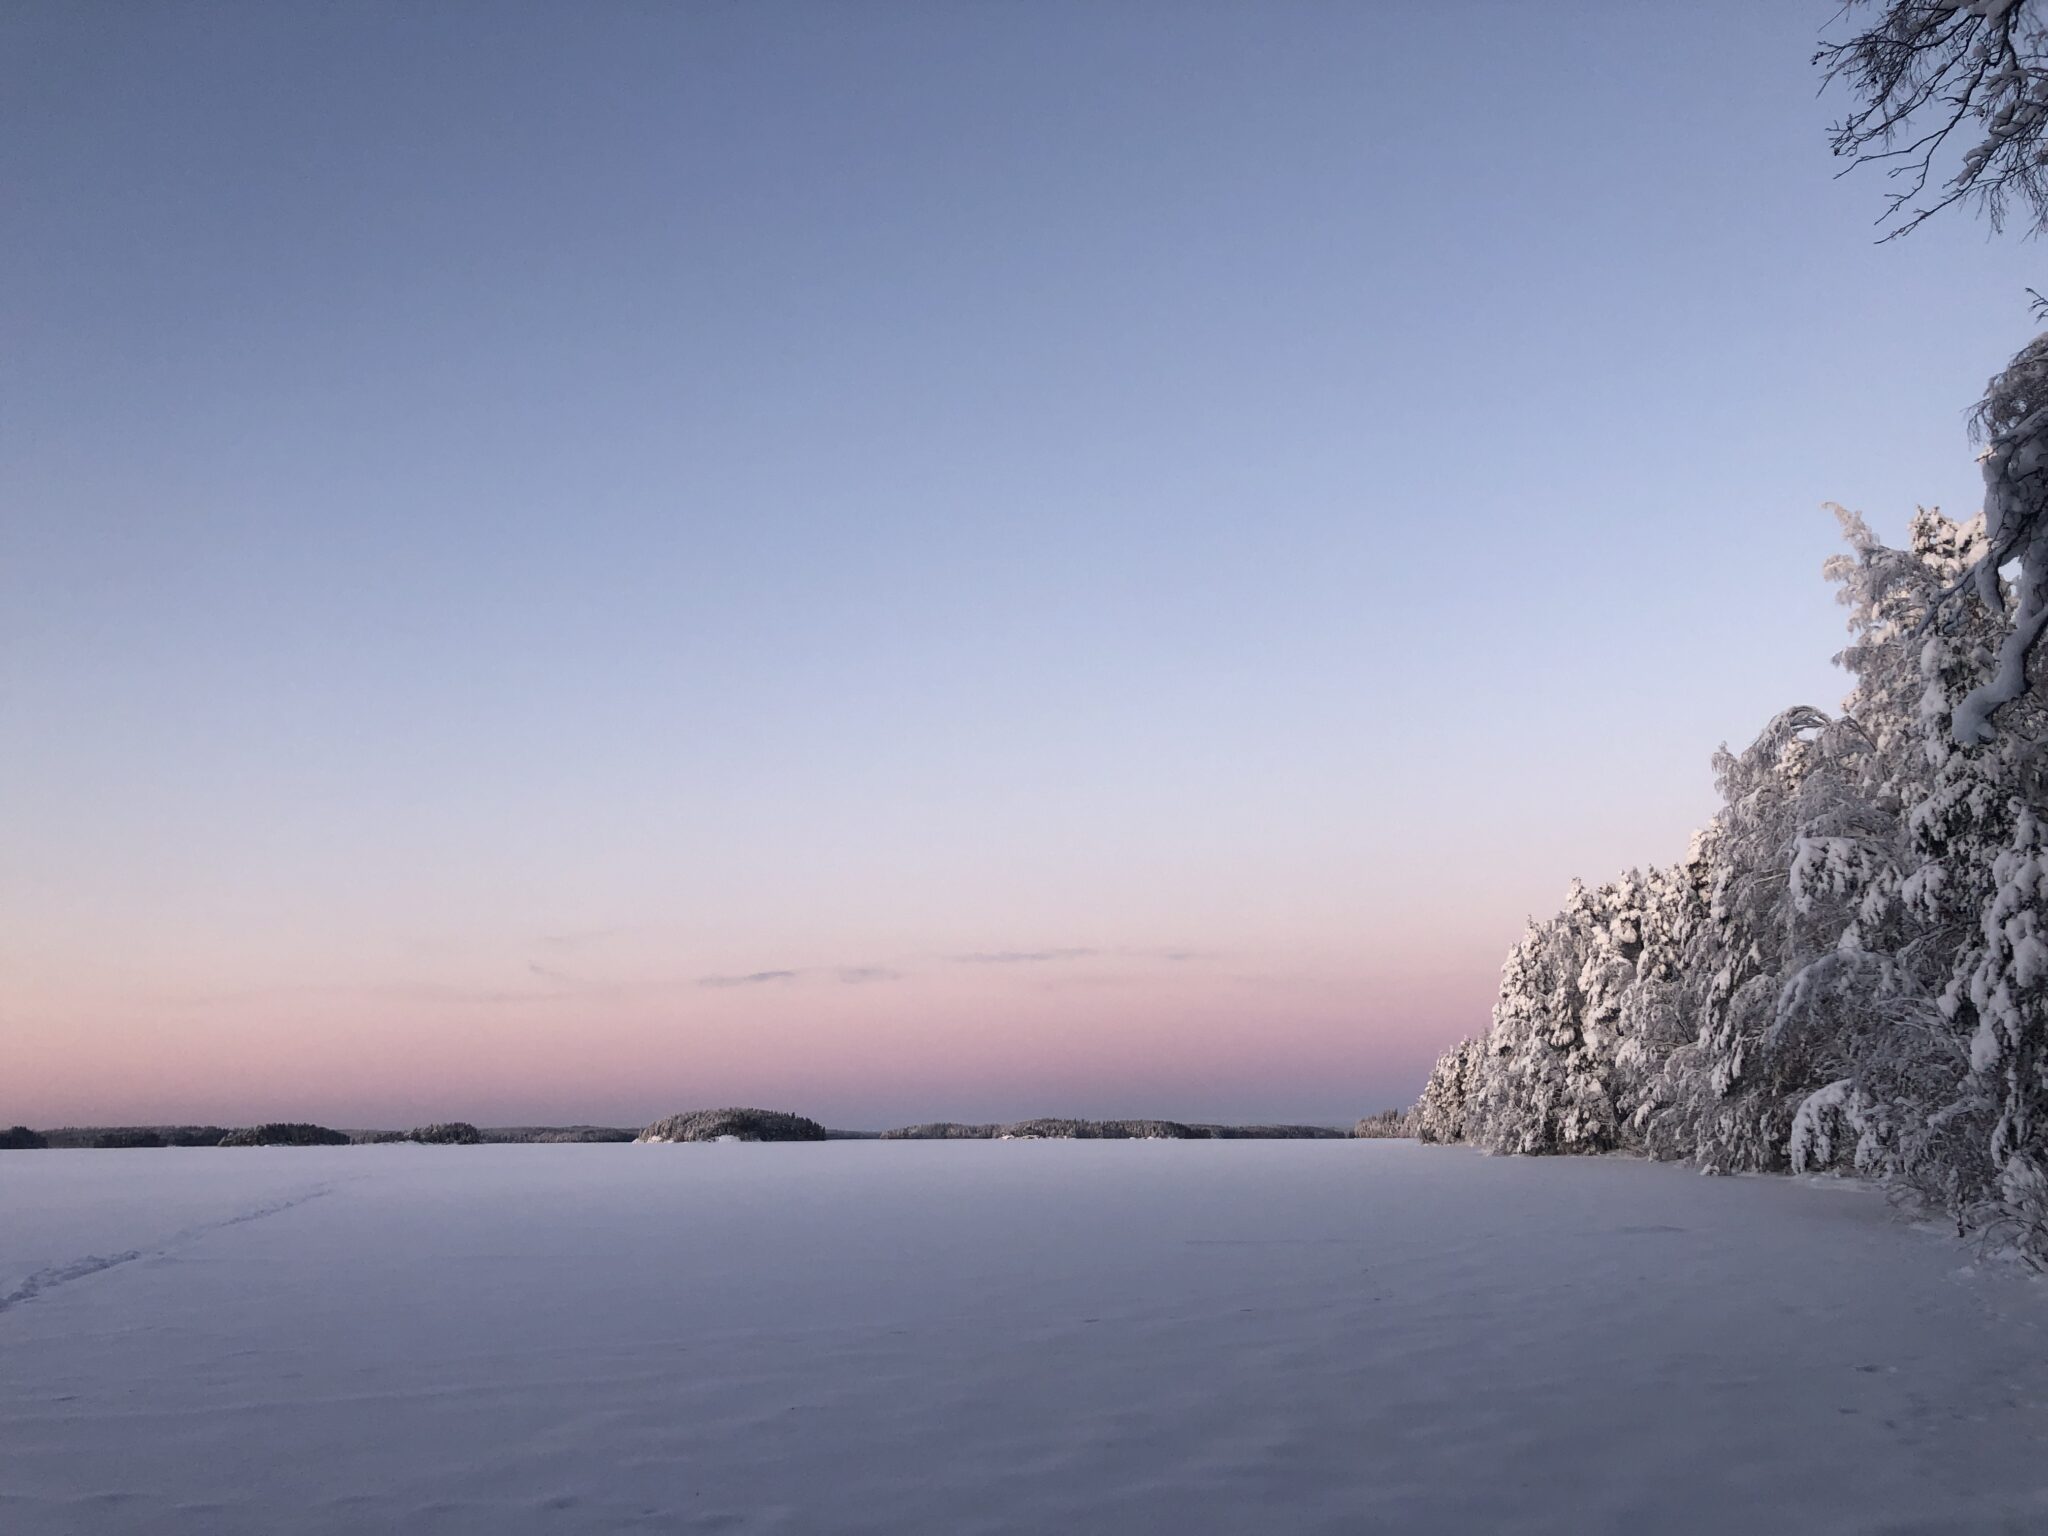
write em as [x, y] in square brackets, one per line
[899, 561]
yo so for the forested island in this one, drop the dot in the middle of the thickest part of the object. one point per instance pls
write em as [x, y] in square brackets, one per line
[733, 1125]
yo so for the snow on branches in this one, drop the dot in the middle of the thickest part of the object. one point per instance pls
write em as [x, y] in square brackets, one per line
[1952, 100]
[2013, 420]
[1849, 969]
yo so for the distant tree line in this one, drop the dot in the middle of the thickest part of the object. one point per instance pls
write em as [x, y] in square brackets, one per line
[1106, 1130]
[448, 1133]
[112, 1136]
[694, 1125]
[558, 1133]
[281, 1133]
[1387, 1125]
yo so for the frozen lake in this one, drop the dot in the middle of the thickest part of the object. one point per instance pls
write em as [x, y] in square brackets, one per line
[903, 1338]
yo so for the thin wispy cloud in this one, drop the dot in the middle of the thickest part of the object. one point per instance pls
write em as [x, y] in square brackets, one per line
[751, 979]
[1077, 952]
[1024, 956]
[850, 975]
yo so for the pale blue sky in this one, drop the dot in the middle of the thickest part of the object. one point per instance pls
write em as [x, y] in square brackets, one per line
[837, 485]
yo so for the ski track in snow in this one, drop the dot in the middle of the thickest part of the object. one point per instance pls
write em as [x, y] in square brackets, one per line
[63, 1274]
[43, 1281]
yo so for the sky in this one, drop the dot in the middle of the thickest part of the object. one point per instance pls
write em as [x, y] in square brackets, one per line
[902, 561]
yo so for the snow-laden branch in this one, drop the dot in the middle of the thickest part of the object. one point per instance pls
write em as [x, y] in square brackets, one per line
[1953, 102]
[2013, 420]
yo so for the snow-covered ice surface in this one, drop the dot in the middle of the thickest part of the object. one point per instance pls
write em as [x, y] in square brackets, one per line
[961, 1337]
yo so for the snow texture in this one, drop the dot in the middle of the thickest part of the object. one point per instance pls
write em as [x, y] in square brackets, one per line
[977, 1337]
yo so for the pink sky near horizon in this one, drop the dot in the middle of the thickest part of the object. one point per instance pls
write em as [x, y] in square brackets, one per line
[620, 1027]
[216, 955]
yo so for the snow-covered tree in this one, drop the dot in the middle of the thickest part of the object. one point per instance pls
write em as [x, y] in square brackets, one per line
[1781, 867]
[1952, 98]
[1889, 1048]
[1592, 1002]
[1440, 1112]
[1541, 1084]
[2008, 986]
[1850, 967]
[1660, 1008]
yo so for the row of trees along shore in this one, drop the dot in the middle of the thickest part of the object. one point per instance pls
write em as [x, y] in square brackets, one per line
[1849, 968]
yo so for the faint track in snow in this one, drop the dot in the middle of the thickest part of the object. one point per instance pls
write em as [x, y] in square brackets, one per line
[255, 1213]
[63, 1274]
[46, 1280]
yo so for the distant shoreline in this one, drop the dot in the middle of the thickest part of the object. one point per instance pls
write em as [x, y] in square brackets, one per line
[130, 1137]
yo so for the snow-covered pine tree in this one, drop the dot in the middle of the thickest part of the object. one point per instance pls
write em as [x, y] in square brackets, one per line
[1440, 1112]
[1539, 1085]
[1977, 826]
[2008, 987]
[1871, 1006]
[1659, 1008]
[1728, 1102]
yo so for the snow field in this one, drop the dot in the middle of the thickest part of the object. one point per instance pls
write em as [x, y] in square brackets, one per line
[980, 1337]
